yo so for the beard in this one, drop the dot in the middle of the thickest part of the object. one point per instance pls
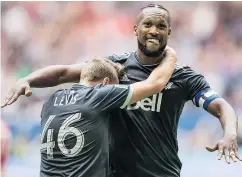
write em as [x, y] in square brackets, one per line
[149, 53]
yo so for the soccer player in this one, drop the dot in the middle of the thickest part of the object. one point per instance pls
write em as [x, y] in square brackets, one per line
[74, 122]
[144, 140]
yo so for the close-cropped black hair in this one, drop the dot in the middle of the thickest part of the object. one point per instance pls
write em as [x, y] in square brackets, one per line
[160, 7]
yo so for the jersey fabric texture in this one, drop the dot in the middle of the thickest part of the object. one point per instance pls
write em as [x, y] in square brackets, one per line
[74, 130]
[144, 137]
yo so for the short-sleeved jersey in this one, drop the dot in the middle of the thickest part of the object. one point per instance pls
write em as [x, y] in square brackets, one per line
[144, 137]
[74, 130]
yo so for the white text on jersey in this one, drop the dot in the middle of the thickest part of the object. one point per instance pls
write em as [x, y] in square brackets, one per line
[148, 104]
[65, 100]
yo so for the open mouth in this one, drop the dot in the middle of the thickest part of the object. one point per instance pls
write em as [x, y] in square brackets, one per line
[154, 41]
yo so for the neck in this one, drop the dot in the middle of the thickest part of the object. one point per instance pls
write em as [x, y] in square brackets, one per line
[145, 60]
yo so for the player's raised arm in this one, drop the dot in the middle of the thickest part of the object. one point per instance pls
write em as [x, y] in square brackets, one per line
[46, 77]
[157, 80]
[107, 97]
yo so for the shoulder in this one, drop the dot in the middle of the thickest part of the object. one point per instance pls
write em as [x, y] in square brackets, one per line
[109, 90]
[93, 91]
[50, 99]
[103, 89]
[185, 71]
[182, 68]
[59, 93]
[121, 58]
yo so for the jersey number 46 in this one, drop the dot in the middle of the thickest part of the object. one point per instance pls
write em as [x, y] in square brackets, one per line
[64, 131]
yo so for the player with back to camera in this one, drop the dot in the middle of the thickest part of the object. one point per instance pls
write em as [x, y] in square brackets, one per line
[144, 142]
[74, 122]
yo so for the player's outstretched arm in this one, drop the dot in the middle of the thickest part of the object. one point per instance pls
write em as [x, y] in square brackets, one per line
[228, 144]
[157, 80]
[198, 90]
[46, 77]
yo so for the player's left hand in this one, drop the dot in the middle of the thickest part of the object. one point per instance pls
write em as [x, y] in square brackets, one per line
[228, 147]
[21, 87]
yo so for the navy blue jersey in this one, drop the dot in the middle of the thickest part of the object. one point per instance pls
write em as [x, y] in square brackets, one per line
[144, 137]
[74, 130]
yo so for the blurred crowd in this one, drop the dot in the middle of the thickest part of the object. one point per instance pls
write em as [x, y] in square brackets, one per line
[206, 35]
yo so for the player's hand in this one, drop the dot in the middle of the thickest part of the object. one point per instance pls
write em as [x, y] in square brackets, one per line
[21, 87]
[170, 52]
[228, 147]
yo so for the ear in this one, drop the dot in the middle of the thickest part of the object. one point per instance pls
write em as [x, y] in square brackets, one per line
[135, 30]
[169, 32]
[106, 81]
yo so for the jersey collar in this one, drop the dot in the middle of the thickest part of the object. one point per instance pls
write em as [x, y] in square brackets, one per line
[137, 59]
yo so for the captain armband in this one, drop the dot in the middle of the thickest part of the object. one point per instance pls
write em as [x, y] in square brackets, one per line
[204, 97]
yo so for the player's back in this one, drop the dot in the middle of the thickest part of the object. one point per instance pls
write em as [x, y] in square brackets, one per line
[74, 138]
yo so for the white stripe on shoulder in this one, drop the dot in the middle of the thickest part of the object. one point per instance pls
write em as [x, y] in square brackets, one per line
[126, 102]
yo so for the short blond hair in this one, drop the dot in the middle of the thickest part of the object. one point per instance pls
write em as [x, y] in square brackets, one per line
[99, 68]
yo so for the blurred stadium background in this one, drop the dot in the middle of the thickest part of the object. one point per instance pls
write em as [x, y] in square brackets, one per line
[206, 35]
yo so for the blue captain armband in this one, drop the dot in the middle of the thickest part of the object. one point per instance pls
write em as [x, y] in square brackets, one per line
[204, 97]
